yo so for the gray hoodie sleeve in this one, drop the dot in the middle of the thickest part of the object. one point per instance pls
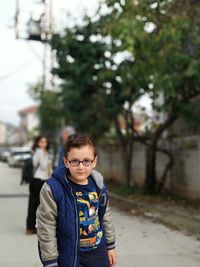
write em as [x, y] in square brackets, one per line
[107, 220]
[109, 229]
[46, 227]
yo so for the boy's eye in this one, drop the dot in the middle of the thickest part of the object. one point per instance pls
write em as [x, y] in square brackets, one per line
[74, 162]
[87, 161]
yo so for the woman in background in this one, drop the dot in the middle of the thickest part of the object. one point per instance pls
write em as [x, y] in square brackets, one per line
[42, 171]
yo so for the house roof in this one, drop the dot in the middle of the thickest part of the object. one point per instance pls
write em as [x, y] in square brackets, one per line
[30, 109]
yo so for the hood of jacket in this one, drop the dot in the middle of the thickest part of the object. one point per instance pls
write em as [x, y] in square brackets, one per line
[60, 174]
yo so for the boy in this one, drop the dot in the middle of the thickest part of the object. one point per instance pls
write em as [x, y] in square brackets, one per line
[73, 220]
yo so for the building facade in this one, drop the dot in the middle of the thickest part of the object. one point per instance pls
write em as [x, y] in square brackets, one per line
[29, 121]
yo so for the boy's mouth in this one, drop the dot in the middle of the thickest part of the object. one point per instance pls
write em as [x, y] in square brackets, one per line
[80, 173]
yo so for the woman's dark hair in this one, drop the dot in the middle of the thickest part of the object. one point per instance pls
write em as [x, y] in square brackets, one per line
[78, 140]
[37, 140]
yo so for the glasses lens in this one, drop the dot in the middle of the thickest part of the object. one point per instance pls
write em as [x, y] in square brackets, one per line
[74, 162]
[87, 162]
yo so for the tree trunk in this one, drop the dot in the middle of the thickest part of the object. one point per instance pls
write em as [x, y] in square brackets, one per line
[150, 181]
[126, 148]
[127, 162]
[168, 167]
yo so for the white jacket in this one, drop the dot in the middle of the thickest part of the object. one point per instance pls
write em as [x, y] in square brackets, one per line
[41, 164]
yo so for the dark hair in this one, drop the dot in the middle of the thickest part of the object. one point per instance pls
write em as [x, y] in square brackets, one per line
[37, 140]
[78, 140]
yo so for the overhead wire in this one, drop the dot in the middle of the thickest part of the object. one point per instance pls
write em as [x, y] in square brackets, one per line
[13, 72]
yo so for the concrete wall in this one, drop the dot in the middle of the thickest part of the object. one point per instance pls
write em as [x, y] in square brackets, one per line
[184, 178]
[185, 175]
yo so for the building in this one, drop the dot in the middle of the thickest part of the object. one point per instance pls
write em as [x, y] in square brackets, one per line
[29, 120]
[7, 133]
[2, 132]
[139, 122]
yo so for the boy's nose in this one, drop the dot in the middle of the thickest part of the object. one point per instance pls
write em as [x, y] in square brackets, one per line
[81, 165]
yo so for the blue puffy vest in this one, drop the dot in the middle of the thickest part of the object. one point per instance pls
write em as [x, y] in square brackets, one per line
[68, 217]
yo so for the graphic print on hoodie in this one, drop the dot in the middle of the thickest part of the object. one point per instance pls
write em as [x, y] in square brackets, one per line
[88, 205]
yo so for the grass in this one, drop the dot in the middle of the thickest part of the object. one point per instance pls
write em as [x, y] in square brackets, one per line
[174, 212]
[165, 199]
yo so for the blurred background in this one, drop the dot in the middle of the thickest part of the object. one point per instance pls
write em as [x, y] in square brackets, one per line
[125, 71]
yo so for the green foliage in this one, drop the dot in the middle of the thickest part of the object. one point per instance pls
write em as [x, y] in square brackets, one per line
[164, 38]
[137, 47]
[94, 87]
[50, 112]
[80, 61]
[35, 91]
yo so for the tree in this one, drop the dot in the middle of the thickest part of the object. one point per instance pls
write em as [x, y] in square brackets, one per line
[50, 108]
[97, 90]
[78, 60]
[169, 38]
[50, 112]
[175, 68]
[158, 48]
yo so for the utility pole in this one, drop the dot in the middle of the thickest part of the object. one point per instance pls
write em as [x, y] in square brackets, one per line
[17, 19]
[39, 30]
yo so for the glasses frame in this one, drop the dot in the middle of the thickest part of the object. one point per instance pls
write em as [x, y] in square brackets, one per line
[80, 161]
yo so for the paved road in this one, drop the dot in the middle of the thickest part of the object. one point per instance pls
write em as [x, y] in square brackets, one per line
[141, 243]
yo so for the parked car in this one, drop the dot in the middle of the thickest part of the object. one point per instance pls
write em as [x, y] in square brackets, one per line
[18, 155]
[4, 153]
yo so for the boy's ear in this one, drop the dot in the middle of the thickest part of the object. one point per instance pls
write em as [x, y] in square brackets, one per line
[65, 161]
[94, 162]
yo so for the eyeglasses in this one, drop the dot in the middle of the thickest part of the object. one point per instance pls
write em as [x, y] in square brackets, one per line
[76, 162]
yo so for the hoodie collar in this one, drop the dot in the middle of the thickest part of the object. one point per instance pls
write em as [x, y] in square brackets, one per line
[60, 174]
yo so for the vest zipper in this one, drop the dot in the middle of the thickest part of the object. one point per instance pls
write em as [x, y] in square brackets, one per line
[77, 230]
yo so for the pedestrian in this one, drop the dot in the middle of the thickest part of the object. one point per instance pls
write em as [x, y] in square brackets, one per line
[42, 170]
[66, 132]
[74, 224]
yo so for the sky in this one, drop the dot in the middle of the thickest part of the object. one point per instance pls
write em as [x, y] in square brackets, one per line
[19, 65]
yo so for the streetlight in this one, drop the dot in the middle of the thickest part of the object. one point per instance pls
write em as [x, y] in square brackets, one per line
[34, 30]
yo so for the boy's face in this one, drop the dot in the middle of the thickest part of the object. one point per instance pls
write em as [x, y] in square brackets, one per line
[80, 173]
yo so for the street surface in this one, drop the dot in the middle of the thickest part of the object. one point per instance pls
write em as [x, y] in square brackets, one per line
[140, 243]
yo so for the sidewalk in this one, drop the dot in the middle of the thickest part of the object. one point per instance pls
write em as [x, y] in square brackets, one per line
[170, 213]
[16, 249]
[140, 242]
